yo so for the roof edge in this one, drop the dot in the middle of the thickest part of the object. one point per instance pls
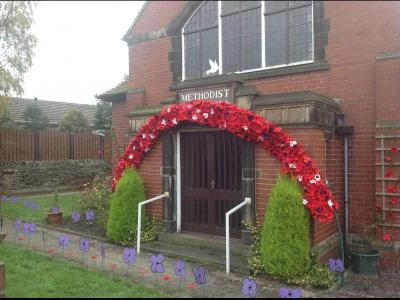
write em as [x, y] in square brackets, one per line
[125, 37]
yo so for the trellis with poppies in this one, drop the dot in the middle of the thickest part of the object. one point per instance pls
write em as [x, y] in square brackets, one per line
[248, 126]
[388, 193]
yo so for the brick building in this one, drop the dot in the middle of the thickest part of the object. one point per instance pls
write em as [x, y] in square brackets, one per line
[327, 72]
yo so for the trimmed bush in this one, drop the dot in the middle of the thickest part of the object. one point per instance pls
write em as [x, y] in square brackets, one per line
[285, 242]
[96, 196]
[124, 206]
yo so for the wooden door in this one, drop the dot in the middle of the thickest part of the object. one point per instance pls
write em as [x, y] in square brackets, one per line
[211, 181]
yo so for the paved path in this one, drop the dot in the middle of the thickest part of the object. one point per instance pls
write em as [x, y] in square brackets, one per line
[219, 284]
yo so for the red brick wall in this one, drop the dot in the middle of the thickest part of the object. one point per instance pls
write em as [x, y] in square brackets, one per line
[157, 15]
[149, 68]
[150, 171]
[359, 30]
[119, 130]
[388, 89]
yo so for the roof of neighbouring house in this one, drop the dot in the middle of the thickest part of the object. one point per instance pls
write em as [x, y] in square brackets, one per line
[54, 110]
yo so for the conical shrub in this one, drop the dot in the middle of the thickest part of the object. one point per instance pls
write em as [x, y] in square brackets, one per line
[285, 239]
[124, 206]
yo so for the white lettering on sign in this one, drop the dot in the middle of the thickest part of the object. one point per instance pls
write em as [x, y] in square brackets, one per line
[217, 94]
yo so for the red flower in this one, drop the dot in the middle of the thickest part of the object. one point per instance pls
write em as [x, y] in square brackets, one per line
[387, 236]
[93, 257]
[71, 253]
[191, 285]
[388, 159]
[142, 272]
[389, 174]
[35, 248]
[394, 150]
[21, 238]
[166, 277]
[392, 189]
[390, 215]
[114, 266]
[51, 250]
[393, 200]
[246, 125]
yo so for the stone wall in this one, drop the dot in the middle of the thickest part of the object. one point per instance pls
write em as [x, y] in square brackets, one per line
[44, 176]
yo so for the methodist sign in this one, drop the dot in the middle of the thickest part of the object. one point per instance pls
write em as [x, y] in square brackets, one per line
[217, 94]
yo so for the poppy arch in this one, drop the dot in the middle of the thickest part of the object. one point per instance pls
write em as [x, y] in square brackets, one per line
[248, 126]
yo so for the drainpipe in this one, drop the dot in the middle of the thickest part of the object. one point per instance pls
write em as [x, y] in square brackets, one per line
[342, 129]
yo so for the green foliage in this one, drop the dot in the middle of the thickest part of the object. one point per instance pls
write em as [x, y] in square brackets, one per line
[256, 267]
[285, 238]
[5, 119]
[316, 276]
[74, 121]
[123, 207]
[33, 274]
[16, 44]
[96, 196]
[68, 202]
[150, 228]
[56, 203]
[34, 118]
[103, 115]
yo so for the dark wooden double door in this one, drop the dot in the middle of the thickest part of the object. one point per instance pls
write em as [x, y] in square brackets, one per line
[211, 181]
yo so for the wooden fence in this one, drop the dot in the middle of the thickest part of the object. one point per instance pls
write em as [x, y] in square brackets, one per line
[51, 144]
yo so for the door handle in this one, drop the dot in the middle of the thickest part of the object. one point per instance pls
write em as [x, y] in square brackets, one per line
[212, 183]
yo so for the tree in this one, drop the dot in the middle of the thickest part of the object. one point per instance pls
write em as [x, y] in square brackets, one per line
[5, 119]
[34, 118]
[103, 115]
[74, 121]
[16, 44]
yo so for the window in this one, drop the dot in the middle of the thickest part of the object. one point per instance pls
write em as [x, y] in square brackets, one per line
[237, 36]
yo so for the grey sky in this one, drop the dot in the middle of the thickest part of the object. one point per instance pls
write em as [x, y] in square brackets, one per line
[79, 52]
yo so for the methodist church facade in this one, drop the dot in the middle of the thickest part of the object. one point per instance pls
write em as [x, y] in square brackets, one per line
[326, 73]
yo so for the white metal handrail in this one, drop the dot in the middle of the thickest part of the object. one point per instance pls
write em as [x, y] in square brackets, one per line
[227, 249]
[139, 226]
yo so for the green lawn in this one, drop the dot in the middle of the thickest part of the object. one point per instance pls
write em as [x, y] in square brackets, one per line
[35, 275]
[67, 201]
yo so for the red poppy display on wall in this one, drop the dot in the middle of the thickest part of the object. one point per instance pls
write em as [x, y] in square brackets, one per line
[248, 126]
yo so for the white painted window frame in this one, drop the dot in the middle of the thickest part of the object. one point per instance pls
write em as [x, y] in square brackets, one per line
[263, 62]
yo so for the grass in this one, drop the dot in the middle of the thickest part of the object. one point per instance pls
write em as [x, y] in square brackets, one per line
[35, 275]
[67, 201]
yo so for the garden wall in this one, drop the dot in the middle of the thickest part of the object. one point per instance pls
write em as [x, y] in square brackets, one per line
[45, 176]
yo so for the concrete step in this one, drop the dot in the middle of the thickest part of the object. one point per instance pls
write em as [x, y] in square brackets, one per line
[211, 259]
[204, 240]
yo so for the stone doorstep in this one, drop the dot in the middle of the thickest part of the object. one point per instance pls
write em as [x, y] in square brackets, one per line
[210, 257]
[204, 241]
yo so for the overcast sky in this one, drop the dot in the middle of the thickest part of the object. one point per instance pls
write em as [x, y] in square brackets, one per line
[80, 51]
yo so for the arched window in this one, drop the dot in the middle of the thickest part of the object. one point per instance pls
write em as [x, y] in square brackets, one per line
[241, 36]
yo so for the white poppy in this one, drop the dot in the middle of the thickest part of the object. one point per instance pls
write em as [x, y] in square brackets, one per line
[317, 177]
[293, 143]
[205, 115]
[305, 201]
[130, 156]
[175, 121]
[292, 166]
[163, 122]
[330, 203]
